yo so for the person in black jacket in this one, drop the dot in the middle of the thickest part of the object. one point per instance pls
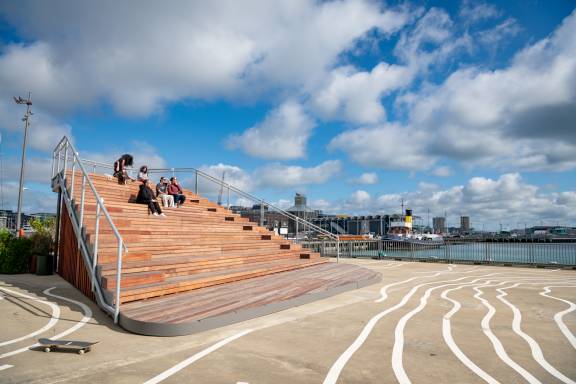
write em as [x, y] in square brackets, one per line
[120, 168]
[147, 196]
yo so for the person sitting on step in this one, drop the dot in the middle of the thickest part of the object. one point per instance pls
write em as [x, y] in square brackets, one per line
[121, 168]
[162, 192]
[146, 196]
[143, 174]
[175, 190]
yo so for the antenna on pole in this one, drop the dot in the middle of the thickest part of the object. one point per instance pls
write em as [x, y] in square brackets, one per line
[221, 189]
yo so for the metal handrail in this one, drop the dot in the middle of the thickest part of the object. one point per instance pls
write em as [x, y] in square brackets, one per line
[64, 145]
[246, 195]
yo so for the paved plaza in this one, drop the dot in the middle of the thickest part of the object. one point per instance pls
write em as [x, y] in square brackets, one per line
[425, 323]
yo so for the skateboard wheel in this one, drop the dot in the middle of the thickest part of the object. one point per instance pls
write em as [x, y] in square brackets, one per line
[47, 349]
[80, 351]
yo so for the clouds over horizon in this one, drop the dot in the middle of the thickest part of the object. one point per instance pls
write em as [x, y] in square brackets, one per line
[508, 200]
[519, 117]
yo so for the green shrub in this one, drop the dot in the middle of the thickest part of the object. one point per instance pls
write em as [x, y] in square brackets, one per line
[15, 256]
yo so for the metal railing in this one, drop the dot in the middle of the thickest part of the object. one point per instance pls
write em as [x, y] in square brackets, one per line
[65, 158]
[541, 254]
[292, 226]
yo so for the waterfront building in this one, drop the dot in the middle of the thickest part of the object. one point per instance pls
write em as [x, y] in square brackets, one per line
[439, 224]
[464, 224]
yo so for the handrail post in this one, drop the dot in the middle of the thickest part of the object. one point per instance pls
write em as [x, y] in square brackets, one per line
[297, 227]
[82, 200]
[196, 183]
[53, 165]
[261, 213]
[338, 249]
[118, 276]
[65, 167]
[228, 201]
[95, 249]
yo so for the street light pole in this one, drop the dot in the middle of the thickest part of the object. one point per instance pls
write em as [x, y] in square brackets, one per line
[26, 120]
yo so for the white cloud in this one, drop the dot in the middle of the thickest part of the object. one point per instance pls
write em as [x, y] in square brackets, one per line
[387, 146]
[139, 56]
[360, 199]
[366, 178]
[520, 117]
[284, 176]
[475, 11]
[282, 135]
[355, 96]
[505, 29]
[508, 200]
[443, 171]
[233, 175]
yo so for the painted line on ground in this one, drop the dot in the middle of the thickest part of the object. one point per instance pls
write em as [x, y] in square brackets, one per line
[339, 364]
[5, 366]
[447, 334]
[87, 315]
[497, 345]
[169, 372]
[537, 353]
[447, 331]
[559, 315]
[53, 320]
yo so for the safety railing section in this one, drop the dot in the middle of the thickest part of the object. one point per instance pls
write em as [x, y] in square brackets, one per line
[293, 226]
[551, 254]
[66, 167]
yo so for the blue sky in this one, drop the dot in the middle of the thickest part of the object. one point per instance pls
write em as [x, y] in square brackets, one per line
[463, 107]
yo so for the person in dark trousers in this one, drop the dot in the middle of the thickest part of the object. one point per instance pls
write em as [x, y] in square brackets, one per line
[175, 190]
[147, 196]
[120, 168]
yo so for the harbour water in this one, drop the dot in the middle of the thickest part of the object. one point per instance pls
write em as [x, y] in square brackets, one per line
[562, 254]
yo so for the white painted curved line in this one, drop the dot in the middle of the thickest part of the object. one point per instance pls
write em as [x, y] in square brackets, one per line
[5, 366]
[169, 372]
[447, 334]
[537, 353]
[398, 348]
[343, 359]
[50, 324]
[497, 345]
[87, 315]
[559, 315]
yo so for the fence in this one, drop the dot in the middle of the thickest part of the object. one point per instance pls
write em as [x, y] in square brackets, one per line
[561, 254]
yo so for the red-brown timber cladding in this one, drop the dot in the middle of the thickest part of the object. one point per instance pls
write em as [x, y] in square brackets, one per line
[70, 262]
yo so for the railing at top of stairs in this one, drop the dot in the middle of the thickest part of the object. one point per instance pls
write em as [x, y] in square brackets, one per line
[207, 185]
[65, 157]
[213, 186]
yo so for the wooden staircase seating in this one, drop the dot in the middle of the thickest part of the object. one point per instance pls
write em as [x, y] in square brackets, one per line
[198, 245]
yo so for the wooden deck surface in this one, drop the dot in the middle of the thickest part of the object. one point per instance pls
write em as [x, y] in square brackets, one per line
[202, 304]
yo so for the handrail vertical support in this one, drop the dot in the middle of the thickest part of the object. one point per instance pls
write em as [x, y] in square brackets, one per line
[338, 249]
[73, 177]
[82, 200]
[196, 183]
[118, 277]
[95, 248]
[228, 201]
[261, 213]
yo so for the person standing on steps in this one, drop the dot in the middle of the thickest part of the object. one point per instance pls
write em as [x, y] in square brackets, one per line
[121, 168]
[162, 192]
[175, 190]
[147, 196]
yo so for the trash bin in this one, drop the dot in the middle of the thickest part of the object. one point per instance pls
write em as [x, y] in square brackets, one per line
[43, 265]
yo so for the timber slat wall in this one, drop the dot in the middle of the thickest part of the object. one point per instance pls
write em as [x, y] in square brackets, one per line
[70, 262]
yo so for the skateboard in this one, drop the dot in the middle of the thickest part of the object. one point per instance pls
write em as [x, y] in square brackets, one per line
[80, 346]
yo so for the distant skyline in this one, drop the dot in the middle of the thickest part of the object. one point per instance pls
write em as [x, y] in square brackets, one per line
[463, 107]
